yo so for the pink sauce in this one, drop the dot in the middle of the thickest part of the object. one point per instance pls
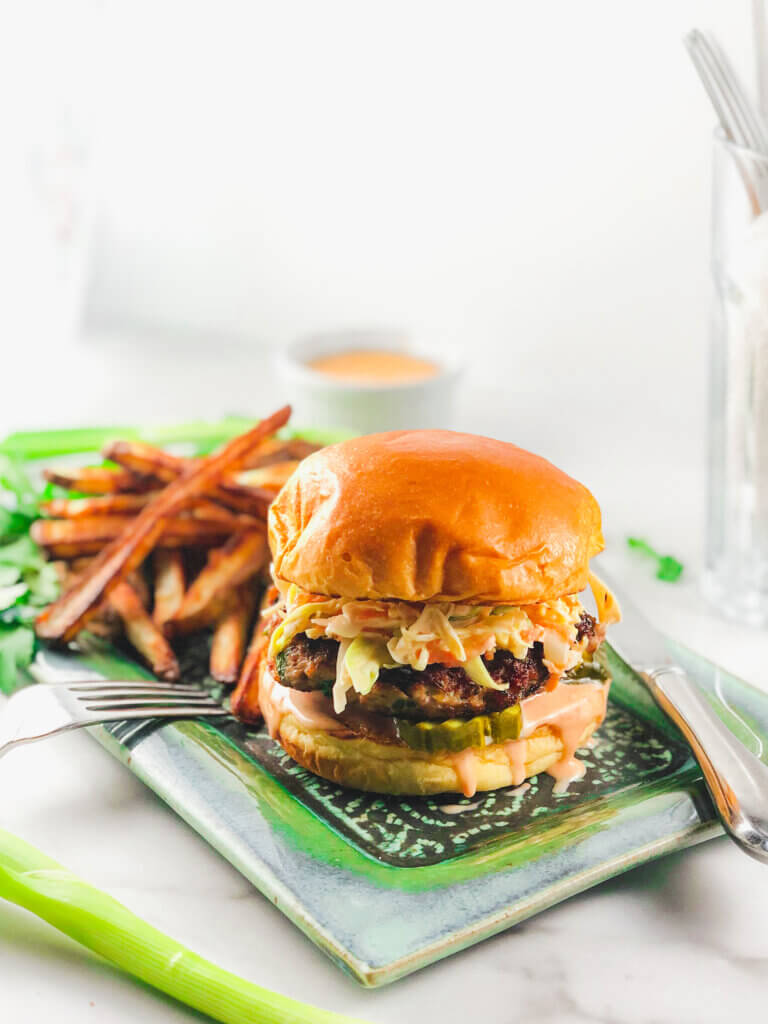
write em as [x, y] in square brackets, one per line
[515, 751]
[569, 709]
[314, 710]
[465, 763]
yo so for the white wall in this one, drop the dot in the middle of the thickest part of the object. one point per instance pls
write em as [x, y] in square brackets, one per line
[532, 177]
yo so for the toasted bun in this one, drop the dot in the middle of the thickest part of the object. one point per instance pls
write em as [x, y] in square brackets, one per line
[390, 768]
[431, 515]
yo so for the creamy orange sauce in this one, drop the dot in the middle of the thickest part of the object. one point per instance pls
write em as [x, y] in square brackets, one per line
[568, 710]
[374, 366]
[311, 709]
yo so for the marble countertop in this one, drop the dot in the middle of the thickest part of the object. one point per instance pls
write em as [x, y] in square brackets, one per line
[684, 939]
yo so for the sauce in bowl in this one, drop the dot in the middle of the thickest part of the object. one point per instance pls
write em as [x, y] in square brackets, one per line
[374, 366]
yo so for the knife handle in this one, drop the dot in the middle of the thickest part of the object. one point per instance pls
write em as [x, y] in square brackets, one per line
[736, 779]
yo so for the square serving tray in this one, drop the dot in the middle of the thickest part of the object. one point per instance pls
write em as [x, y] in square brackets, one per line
[386, 885]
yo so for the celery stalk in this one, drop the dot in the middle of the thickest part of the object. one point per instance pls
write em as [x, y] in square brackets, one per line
[35, 882]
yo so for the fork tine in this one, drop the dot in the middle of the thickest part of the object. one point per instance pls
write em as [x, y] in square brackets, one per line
[137, 684]
[181, 711]
[139, 695]
[722, 108]
[718, 89]
[164, 711]
[114, 703]
[149, 689]
[753, 133]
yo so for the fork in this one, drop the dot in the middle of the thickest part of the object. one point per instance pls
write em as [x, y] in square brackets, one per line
[50, 708]
[739, 120]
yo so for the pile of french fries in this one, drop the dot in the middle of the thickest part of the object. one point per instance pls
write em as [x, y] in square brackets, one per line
[161, 546]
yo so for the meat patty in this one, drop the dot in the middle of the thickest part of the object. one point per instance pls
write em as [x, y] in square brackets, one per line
[438, 692]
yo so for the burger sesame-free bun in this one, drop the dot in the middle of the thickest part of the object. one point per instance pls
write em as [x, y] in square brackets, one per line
[391, 768]
[388, 768]
[432, 515]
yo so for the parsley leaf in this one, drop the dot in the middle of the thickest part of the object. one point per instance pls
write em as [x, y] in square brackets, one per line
[668, 568]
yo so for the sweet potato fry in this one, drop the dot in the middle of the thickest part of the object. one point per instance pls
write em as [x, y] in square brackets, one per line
[68, 538]
[272, 476]
[66, 616]
[170, 584]
[239, 559]
[245, 699]
[253, 501]
[145, 458]
[100, 480]
[231, 634]
[275, 449]
[105, 505]
[212, 512]
[142, 458]
[142, 632]
[138, 457]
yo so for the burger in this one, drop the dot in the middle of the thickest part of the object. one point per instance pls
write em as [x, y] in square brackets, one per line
[426, 633]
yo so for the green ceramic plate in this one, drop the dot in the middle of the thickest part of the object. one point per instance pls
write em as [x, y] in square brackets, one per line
[388, 885]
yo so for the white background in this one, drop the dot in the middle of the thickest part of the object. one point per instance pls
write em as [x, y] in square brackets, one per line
[527, 180]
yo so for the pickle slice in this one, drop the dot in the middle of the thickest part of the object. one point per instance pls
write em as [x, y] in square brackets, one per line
[593, 667]
[457, 734]
[506, 724]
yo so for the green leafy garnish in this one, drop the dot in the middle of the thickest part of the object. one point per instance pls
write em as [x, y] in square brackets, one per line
[667, 567]
[27, 581]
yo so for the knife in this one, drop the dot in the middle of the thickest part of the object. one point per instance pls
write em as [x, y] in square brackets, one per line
[737, 780]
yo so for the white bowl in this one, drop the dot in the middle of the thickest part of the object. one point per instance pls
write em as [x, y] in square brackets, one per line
[323, 401]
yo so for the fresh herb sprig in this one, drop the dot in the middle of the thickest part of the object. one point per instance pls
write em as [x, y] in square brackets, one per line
[27, 581]
[667, 567]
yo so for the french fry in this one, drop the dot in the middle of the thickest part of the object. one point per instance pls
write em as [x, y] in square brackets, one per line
[240, 558]
[245, 699]
[272, 476]
[138, 581]
[69, 538]
[105, 505]
[277, 450]
[139, 457]
[63, 619]
[212, 512]
[170, 583]
[231, 634]
[248, 500]
[100, 480]
[142, 632]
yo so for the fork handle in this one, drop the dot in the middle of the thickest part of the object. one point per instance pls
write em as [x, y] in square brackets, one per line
[737, 780]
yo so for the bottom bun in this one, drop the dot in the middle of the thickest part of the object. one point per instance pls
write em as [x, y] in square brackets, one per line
[366, 764]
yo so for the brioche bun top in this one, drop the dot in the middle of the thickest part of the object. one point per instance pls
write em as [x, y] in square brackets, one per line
[432, 515]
